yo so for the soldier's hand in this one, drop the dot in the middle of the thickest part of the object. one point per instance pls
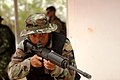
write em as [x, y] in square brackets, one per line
[35, 61]
[48, 65]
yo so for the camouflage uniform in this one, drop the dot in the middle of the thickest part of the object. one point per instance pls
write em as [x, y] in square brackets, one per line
[20, 67]
[7, 48]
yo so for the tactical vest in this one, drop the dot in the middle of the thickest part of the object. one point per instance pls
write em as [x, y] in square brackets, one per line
[58, 41]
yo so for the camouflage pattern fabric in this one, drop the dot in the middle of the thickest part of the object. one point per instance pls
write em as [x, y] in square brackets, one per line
[19, 68]
[7, 49]
[38, 23]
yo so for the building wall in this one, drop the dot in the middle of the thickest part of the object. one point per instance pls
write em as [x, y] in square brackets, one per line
[94, 31]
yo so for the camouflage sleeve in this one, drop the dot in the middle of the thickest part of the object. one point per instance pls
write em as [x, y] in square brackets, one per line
[18, 67]
[67, 73]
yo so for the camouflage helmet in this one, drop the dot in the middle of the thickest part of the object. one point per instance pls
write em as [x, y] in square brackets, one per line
[38, 23]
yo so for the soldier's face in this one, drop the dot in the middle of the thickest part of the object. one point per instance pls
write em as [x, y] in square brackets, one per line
[43, 38]
[49, 13]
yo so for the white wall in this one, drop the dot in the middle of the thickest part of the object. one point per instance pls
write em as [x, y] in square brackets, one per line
[94, 30]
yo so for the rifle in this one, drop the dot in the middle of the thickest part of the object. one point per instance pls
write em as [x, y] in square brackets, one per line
[55, 58]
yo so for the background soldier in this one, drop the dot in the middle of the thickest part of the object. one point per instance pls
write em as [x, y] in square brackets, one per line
[51, 13]
[7, 48]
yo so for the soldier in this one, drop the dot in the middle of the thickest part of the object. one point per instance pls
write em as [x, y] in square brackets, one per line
[26, 63]
[7, 48]
[51, 13]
